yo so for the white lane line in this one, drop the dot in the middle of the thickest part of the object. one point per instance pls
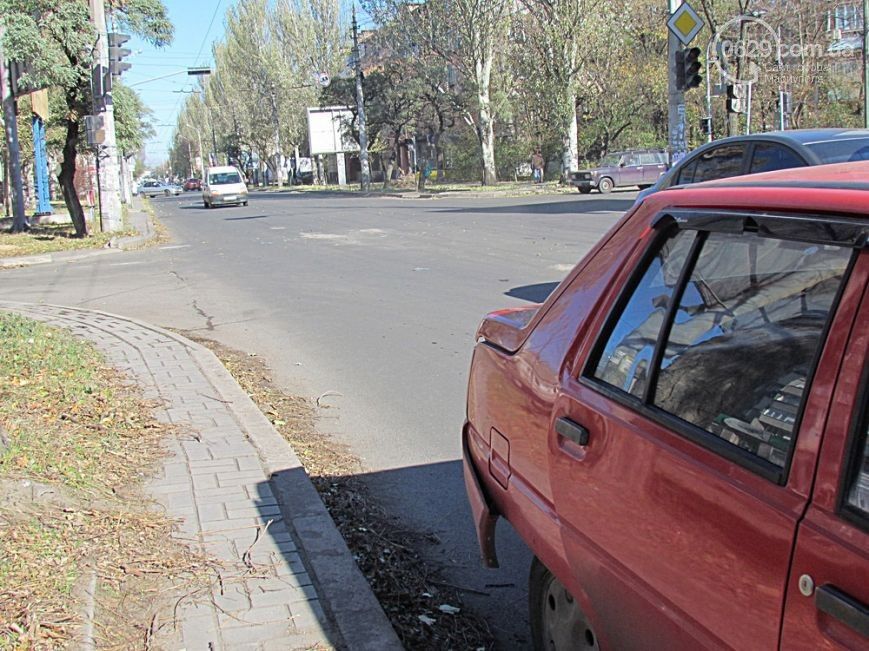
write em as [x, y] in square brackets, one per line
[562, 267]
[322, 236]
[171, 247]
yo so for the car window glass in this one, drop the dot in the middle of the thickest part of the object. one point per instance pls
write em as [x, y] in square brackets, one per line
[686, 174]
[648, 159]
[223, 178]
[744, 338]
[630, 160]
[842, 151]
[719, 163]
[769, 157]
[626, 357]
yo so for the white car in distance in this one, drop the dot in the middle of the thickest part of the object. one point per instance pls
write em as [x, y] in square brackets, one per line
[224, 185]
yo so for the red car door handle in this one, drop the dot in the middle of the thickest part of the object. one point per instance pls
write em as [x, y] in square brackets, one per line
[571, 430]
[843, 607]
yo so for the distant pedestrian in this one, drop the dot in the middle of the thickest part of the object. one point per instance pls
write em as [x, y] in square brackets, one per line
[537, 164]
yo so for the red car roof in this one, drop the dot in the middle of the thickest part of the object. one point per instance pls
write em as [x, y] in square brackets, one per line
[840, 188]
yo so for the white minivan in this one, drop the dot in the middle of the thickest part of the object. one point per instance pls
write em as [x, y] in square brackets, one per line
[224, 185]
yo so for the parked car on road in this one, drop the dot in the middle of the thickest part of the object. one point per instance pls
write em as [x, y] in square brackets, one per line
[157, 188]
[766, 152]
[192, 184]
[679, 432]
[639, 167]
[224, 185]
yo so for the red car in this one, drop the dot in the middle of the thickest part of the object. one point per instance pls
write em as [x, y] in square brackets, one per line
[679, 433]
[192, 184]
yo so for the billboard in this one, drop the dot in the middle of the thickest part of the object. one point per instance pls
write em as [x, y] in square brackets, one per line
[327, 130]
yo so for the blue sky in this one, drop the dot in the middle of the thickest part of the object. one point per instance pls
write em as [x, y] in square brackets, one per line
[191, 47]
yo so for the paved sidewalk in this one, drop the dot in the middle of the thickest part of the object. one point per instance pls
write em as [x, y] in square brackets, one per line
[240, 494]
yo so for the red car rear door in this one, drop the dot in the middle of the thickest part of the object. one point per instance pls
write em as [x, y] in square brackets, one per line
[828, 591]
[682, 441]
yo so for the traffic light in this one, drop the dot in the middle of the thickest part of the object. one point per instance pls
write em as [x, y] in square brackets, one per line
[735, 98]
[95, 130]
[18, 69]
[688, 66]
[691, 62]
[116, 53]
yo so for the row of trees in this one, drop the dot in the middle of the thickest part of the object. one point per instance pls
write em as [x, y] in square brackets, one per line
[487, 82]
[57, 38]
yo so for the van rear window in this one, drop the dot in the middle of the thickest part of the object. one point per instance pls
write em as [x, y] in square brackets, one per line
[224, 178]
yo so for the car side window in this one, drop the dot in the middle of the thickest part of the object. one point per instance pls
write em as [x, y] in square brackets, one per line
[686, 174]
[628, 351]
[857, 497]
[719, 163]
[649, 159]
[745, 336]
[769, 157]
[630, 160]
[729, 346]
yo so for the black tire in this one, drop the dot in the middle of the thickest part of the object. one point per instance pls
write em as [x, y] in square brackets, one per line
[605, 185]
[207, 205]
[557, 623]
[167, 192]
[244, 203]
[584, 190]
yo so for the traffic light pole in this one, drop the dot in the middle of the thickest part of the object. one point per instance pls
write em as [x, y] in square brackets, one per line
[109, 177]
[677, 144]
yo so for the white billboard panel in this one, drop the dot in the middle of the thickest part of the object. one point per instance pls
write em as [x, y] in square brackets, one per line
[327, 130]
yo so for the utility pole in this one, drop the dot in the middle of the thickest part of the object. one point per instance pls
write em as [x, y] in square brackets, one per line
[678, 147]
[109, 177]
[10, 120]
[360, 108]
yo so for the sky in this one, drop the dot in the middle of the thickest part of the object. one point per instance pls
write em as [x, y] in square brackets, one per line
[198, 24]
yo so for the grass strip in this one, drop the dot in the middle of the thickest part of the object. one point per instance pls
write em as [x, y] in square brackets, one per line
[76, 440]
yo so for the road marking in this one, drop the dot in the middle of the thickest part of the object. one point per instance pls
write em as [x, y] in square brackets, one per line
[277, 228]
[174, 246]
[322, 236]
[125, 264]
[562, 267]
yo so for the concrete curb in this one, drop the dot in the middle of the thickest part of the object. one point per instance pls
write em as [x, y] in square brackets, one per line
[345, 592]
[115, 245]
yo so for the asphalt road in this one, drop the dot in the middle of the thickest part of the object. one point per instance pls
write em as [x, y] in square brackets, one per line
[373, 302]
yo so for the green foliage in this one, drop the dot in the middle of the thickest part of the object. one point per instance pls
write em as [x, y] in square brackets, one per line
[145, 18]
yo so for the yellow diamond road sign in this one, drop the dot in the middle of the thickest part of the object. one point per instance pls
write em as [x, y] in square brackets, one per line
[685, 23]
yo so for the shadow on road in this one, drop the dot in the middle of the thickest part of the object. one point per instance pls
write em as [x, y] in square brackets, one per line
[536, 293]
[238, 219]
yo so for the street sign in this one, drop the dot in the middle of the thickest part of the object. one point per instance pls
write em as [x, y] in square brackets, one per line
[685, 23]
[323, 79]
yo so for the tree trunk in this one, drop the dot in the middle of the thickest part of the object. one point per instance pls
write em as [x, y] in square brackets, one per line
[569, 147]
[485, 124]
[66, 178]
